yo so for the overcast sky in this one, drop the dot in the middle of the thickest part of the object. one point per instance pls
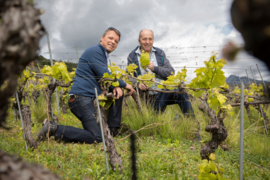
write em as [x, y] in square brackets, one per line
[187, 30]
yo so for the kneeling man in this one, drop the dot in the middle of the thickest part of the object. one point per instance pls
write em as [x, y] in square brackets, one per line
[92, 65]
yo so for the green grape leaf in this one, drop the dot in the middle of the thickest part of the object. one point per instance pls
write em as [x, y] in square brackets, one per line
[144, 60]
[221, 170]
[115, 84]
[219, 79]
[212, 157]
[102, 103]
[102, 97]
[47, 70]
[147, 76]
[131, 68]
[60, 72]
[72, 74]
[46, 80]
[160, 86]
[114, 69]
[221, 98]
[59, 88]
[175, 80]
[106, 75]
[118, 76]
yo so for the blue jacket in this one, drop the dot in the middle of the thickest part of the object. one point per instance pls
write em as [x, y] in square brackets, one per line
[162, 71]
[92, 65]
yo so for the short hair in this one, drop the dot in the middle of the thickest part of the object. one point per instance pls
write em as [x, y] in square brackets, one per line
[112, 29]
[143, 30]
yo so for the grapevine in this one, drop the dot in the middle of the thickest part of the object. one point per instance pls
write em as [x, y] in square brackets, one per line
[210, 170]
[144, 60]
[63, 79]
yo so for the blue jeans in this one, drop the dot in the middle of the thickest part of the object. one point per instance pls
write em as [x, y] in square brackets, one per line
[83, 109]
[162, 100]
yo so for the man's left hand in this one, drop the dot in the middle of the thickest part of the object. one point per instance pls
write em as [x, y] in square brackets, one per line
[151, 66]
[119, 92]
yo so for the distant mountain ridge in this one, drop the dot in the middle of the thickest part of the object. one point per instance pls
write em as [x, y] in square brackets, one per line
[232, 79]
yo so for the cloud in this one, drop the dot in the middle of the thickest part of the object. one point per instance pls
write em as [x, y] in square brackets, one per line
[204, 25]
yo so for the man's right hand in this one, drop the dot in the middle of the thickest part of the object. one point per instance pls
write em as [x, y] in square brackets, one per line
[130, 88]
[143, 87]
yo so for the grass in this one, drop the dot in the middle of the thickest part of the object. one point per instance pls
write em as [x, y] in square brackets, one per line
[164, 152]
[39, 111]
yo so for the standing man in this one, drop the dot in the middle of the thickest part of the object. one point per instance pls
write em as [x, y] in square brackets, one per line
[162, 68]
[92, 65]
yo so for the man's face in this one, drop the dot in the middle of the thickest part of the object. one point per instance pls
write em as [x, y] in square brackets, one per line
[146, 40]
[110, 41]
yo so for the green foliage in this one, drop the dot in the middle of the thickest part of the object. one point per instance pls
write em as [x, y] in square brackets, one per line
[27, 75]
[176, 128]
[252, 91]
[131, 68]
[42, 61]
[256, 89]
[57, 71]
[217, 101]
[145, 60]
[210, 76]
[174, 80]
[104, 102]
[209, 170]
[147, 76]
[163, 152]
[39, 112]
[116, 73]
[60, 72]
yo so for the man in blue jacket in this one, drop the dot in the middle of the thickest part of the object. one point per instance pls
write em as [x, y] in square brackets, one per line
[91, 67]
[160, 65]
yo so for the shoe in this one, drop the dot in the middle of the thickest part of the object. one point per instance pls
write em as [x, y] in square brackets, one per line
[44, 130]
[114, 132]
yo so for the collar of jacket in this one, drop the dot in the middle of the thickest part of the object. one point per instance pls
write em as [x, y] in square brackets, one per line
[152, 47]
[103, 49]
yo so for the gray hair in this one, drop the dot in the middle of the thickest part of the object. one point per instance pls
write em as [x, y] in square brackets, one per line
[143, 30]
[112, 29]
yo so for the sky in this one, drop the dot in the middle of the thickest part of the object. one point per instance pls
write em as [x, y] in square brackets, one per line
[187, 30]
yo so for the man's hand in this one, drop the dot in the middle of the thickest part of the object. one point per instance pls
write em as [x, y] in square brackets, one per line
[119, 92]
[151, 66]
[143, 87]
[130, 88]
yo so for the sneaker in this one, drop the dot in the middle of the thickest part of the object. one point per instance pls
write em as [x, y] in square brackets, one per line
[45, 128]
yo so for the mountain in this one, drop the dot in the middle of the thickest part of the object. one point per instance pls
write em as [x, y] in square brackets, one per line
[232, 79]
[43, 61]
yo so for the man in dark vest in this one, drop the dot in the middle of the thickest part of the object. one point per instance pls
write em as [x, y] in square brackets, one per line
[160, 65]
[92, 65]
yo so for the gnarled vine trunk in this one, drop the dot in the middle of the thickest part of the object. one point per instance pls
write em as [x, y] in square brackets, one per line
[26, 115]
[216, 128]
[62, 102]
[20, 32]
[115, 158]
[35, 95]
[14, 168]
[50, 90]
